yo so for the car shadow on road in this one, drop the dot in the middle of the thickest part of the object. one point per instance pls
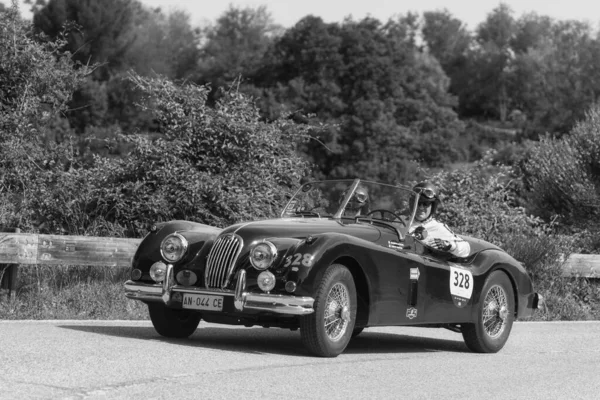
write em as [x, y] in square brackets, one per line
[277, 341]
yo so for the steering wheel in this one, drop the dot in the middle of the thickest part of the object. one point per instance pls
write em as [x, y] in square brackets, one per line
[395, 217]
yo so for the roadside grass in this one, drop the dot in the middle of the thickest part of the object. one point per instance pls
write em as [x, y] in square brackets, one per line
[71, 292]
[74, 292]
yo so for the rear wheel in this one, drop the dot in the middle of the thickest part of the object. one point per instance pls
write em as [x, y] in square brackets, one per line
[327, 331]
[173, 323]
[495, 316]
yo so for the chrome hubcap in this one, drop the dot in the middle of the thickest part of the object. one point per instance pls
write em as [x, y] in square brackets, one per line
[337, 312]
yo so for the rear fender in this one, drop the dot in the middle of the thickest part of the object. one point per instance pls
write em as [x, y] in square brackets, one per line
[492, 260]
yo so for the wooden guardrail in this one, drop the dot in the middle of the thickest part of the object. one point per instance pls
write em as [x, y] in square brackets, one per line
[582, 265]
[29, 249]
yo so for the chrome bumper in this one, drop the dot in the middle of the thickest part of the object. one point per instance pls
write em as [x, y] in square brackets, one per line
[275, 303]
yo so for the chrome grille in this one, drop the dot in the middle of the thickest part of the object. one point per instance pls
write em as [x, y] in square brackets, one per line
[221, 261]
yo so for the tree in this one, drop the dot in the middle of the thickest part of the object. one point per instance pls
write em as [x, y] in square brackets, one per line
[36, 84]
[449, 41]
[379, 94]
[492, 65]
[98, 32]
[235, 45]
[557, 79]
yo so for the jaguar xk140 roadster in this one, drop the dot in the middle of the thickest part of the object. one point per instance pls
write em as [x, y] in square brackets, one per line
[330, 271]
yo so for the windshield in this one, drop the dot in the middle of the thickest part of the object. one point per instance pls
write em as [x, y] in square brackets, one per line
[352, 199]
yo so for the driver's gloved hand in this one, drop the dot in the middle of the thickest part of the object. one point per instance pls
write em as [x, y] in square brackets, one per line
[441, 244]
[420, 233]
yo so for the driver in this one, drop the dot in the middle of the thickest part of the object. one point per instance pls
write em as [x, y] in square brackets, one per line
[438, 235]
[358, 203]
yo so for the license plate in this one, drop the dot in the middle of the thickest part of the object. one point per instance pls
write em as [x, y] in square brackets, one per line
[202, 302]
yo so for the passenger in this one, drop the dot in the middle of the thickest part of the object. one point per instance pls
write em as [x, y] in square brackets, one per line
[358, 203]
[437, 235]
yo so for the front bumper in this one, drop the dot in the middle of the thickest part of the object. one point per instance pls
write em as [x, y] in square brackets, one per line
[243, 300]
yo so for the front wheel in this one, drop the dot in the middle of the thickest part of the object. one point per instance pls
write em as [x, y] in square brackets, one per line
[173, 323]
[327, 331]
[495, 316]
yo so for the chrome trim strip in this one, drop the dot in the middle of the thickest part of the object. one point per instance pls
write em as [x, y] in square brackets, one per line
[143, 291]
[239, 298]
[275, 303]
[168, 283]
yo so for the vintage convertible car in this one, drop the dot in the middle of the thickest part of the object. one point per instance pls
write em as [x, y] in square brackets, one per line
[338, 260]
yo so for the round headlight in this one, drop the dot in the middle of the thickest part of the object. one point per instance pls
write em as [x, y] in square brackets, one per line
[266, 281]
[263, 255]
[158, 270]
[173, 247]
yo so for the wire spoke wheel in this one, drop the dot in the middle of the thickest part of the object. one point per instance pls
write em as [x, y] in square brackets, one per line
[495, 315]
[327, 331]
[495, 311]
[336, 312]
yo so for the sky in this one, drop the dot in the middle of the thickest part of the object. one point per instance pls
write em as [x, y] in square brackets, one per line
[471, 12]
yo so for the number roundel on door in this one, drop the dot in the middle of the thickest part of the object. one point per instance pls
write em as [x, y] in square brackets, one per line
[461, 285]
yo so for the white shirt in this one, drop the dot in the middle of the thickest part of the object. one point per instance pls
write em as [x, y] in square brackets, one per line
[436, 229]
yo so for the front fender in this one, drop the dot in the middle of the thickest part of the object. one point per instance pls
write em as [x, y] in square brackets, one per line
[148, 252]
[324, 250]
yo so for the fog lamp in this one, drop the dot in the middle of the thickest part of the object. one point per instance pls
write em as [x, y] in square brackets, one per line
[186, 278]
[290, 286]
[136, 274]
[266, 281]
[263, 255]
[158, 270]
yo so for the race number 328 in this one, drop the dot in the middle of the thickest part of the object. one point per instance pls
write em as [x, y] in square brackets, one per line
[305, 259]
[461, 282]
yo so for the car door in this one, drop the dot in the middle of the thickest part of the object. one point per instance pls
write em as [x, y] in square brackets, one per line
[445, 290]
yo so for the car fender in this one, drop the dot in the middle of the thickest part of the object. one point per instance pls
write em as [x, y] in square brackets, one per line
[195, 233]
[491, 260]
[324, 250]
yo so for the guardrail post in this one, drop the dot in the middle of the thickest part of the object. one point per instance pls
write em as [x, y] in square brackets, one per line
[9, 274]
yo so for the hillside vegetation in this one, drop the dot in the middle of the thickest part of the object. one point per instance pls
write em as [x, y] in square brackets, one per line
[90, 145]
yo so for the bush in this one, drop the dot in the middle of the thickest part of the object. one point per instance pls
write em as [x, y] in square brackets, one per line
[481, 202]
[563, 175]
[36, 84]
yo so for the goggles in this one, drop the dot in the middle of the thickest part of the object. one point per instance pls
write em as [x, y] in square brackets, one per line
[360, 196]
[425, 192]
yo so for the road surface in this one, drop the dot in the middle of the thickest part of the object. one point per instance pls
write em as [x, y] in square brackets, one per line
[128, 360]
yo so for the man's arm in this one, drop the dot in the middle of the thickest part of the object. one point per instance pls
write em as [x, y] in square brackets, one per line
[442, 238]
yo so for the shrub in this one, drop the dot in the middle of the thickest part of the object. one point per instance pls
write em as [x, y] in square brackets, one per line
[36, 84]
[563, 175]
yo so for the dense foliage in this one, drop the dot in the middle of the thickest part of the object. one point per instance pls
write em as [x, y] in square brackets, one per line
[36, 83]
[120, 116]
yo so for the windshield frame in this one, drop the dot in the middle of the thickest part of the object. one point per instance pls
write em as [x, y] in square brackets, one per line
[353, 184]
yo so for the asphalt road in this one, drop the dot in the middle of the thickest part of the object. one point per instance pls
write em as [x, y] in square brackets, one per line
[128, 360]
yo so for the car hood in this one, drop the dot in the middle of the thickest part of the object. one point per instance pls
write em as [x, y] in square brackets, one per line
[302, 227]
